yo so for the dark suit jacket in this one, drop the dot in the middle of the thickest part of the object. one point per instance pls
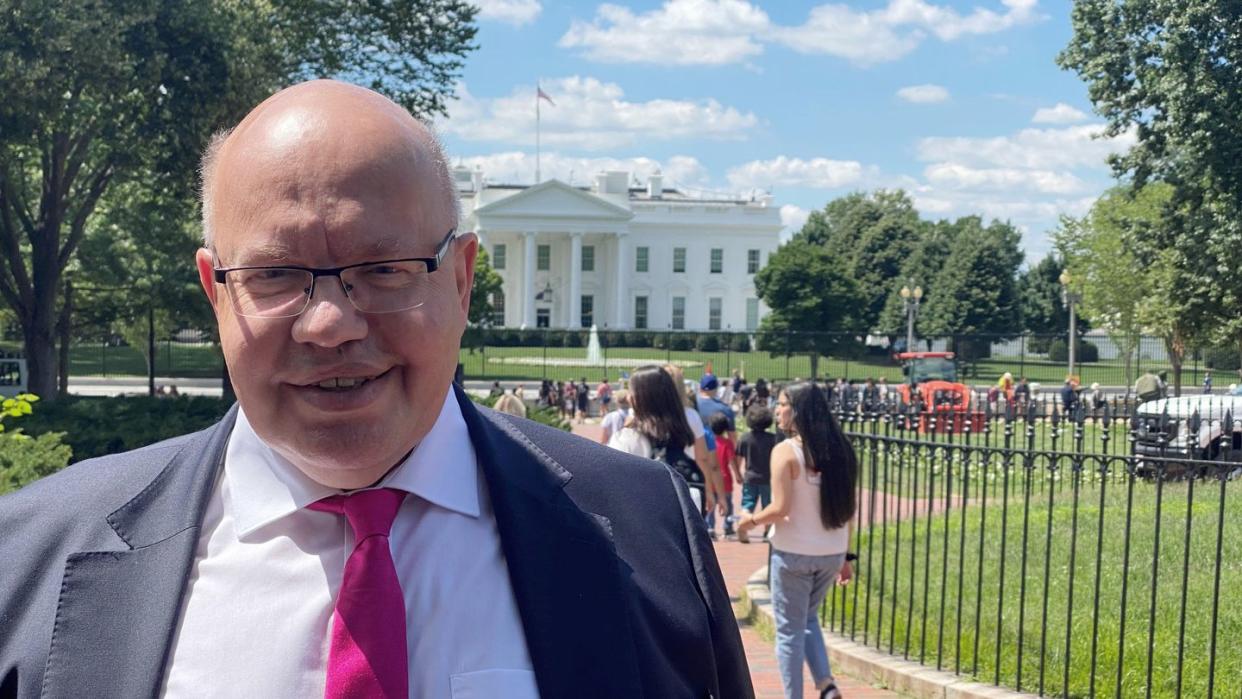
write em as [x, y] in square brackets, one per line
[616, 581]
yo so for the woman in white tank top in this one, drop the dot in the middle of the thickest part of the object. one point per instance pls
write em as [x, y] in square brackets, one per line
[814, 473]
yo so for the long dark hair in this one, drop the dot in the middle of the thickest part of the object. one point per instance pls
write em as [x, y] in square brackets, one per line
[827, 450]
[659, 411]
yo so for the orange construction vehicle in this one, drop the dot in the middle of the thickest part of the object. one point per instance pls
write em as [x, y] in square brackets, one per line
[937, 392]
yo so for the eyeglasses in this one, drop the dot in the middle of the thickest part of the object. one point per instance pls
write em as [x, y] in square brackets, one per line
[385, 286]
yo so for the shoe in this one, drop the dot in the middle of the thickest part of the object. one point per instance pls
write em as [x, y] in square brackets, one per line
[743, 537]
[830, 692]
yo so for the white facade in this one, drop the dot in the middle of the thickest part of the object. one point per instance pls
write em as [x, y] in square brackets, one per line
[573, 256]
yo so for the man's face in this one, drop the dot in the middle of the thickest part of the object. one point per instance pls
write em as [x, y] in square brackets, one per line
[332, 201]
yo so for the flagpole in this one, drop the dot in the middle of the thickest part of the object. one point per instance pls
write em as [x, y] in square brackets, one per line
[536, 132]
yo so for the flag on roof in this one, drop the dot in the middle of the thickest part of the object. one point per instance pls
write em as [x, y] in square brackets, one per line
[540, 94]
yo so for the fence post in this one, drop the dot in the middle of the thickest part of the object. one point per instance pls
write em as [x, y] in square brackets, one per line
[788, 349]
[545, 353]
[1022, 356]
[103, 356]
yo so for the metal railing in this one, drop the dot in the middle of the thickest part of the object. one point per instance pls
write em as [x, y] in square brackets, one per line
[1086, 552]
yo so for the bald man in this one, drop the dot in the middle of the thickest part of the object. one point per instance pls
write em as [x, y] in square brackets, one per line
[355, 526]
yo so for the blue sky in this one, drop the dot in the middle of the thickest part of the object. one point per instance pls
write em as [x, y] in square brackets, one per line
[959, 103]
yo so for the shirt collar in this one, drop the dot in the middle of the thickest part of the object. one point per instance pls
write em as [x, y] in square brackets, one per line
[264, 486]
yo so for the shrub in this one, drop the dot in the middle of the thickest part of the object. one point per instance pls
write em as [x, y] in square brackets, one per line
[24, 459]
[541, 414]
[1039, 344]
[638, 338]
[707, 342]
[660, 340]
[1222, 358]
[531, 338]
[681, 342]
[740, 343]
[572, 339]
[98, 426]
[612, 338]
[1058, 351]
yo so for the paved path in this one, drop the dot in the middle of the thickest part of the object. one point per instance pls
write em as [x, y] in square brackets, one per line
[737, 562]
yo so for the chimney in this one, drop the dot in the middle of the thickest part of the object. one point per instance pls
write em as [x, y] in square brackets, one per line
[655, 185]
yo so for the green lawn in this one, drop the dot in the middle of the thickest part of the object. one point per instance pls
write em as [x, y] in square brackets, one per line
[933, 590]
[489, 363]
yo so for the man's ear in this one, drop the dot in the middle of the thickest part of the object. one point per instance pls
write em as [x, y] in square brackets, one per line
[206, 274]
[467, 245]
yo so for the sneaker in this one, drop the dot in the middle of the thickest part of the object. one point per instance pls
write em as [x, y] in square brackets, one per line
[830, 692]
[743, 537]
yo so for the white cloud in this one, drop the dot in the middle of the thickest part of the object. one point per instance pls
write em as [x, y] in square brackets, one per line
[958, 176]
[518, 167]
[682, 32]
[793, 218]
[591, 115]
[515, 12]
[717, 32]
[1062, 113]
[818, 173]
[1047, 149]
[923, 94]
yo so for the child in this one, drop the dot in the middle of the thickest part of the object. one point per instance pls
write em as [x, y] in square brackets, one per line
[754, 459]
[726, 457]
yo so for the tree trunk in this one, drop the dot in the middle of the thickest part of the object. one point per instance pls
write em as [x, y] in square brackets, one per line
[814, 365]
[39, 340]
[63, 329]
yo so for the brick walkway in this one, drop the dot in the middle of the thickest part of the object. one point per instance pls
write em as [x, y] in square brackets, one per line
[737, 562]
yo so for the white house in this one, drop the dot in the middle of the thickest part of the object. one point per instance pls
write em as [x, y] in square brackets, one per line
[618, 256]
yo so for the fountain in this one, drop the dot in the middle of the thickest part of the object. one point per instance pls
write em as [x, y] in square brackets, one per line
[595, 356]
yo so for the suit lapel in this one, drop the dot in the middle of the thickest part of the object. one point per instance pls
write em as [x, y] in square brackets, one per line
[118, 610]
[569, 583]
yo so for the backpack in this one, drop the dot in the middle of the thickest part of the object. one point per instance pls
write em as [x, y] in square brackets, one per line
[683, 465]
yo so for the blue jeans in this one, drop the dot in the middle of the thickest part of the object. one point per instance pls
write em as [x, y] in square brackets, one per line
[728, 521]
[756, 494]
[799, 585]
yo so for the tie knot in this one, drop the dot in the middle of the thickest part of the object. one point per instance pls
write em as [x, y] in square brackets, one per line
[370, 512]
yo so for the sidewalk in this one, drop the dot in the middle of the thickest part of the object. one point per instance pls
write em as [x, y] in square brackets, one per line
[737, 562]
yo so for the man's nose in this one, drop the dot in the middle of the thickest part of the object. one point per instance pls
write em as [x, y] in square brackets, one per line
[330, 318]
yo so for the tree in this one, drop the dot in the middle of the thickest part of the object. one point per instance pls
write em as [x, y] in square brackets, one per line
[1130, 285]
[1043, 310]
[974, 292]
[872, 235]
[813, 301]
[934, 244]
[1169, 72]
[138, 282]
[102, 93]
[487, 283]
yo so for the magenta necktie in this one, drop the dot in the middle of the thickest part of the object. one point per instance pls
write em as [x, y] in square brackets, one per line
[367, 656]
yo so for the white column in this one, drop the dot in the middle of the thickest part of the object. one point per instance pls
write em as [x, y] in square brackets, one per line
[575, 280]
[528, 279]
[620, 289]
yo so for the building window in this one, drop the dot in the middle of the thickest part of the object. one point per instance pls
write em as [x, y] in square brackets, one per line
[679, 312]
[588, 310]
[640, 312]
[588, 258]
[752, 314]
[640, 258]
[543, 317]
[752, 261]
[717, 260]
[498, 256]
[714, 305]
[679, 259]
[498, 307]
[543, 258]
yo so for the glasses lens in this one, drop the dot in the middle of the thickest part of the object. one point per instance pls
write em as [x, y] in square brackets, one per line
[269, 293]
[386, 287]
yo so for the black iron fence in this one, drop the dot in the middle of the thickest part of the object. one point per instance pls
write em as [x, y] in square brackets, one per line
[536, 354]
[1089, 552]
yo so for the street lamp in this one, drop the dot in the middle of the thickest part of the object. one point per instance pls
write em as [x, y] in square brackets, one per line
[911, 299]
[1069, 298]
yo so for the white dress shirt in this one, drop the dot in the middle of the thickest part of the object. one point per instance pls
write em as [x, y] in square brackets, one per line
[256, 616]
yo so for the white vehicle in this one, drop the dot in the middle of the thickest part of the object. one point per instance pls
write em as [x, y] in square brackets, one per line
[1219, 432]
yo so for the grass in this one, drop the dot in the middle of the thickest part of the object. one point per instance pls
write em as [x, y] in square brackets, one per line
[185, 360]
[488, 363]
[932, 589]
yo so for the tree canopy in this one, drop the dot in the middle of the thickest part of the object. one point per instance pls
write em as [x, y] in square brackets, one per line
[974, 291]
[100, 94]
